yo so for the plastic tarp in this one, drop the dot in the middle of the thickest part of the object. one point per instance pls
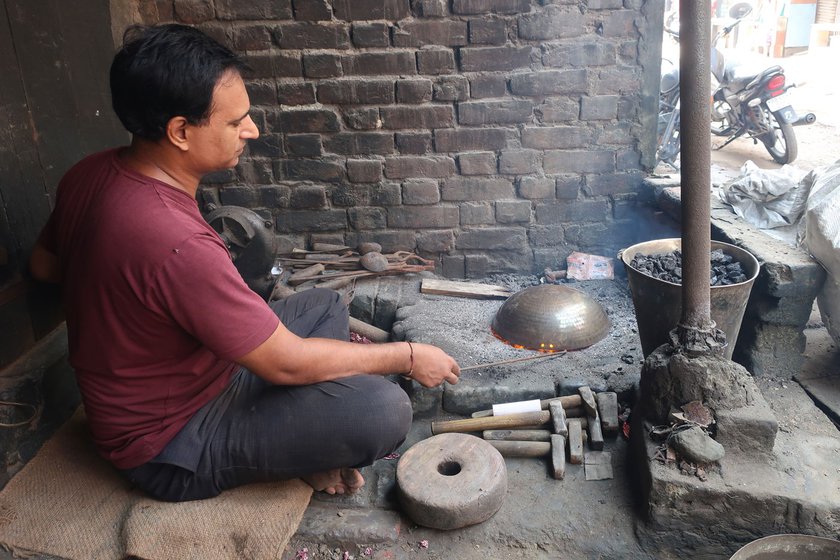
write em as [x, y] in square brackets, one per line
[767, 199]
[801, 208]
[822, 239]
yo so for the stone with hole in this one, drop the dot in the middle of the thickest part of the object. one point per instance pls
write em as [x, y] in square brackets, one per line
[451, 480]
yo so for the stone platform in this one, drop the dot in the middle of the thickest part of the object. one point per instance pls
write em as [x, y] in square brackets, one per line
[795, 490]
[461, 327]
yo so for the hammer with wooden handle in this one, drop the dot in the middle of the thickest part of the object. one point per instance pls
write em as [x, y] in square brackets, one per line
[568, 402]
[492, 422]
[524, 419]
[555, 447]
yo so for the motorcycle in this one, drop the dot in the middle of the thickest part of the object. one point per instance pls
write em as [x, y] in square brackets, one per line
[745, 102]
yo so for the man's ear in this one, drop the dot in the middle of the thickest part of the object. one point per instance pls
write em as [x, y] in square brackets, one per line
[176, 133]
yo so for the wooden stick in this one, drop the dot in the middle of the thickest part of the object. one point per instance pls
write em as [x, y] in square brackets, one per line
[517, 435]
[522, 448]
[307, 273]
[367, 330]
[514, 360]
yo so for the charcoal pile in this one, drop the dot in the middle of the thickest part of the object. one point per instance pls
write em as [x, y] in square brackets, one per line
[668, 267]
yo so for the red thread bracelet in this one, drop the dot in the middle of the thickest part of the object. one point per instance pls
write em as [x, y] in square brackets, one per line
[411, 357]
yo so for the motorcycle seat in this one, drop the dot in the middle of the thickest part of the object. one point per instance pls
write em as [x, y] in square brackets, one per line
[739, 75]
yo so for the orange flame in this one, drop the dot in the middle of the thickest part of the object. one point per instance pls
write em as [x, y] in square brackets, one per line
[544, 347]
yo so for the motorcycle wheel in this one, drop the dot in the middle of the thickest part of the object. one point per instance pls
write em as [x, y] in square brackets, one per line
[780, 141]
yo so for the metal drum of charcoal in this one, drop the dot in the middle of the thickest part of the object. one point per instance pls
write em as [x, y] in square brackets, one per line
[658, 300]
[550, 318]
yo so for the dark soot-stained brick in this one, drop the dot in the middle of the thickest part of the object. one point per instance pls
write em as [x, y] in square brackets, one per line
[407, 167]
[360, 143]
[311, 220]
[414, 91]
[314, 36]
[420, 191]
[595, 161]
[379, 64]
[360, 10]
[308, 196]
[311, 10]
[451, 88]
[274, 65]
[193, 11]
[433, 116]
[513, 111]
[474, 7]
[476, 188]
[307, 120]
[304, 145]
[254, 9]
[321, 65]
[531, 187]
[579, 55]
[363, 118]
[446, 33]
[464, 139]
[364, 170]
[414, 142]
[423, 217]
[371, 35]
[488, 31]
[435, 61]
[556, 137]
[477, 163]
[289, 93]
[356, 92]
[495, 58]
[552, 22]
[488, 85]
[549, 82]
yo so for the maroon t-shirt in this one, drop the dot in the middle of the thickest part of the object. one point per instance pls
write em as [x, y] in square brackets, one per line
[156, 310]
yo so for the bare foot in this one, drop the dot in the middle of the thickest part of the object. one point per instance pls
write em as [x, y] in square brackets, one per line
[336, 481]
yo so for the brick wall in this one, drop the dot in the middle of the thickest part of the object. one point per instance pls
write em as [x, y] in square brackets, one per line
[490, 135]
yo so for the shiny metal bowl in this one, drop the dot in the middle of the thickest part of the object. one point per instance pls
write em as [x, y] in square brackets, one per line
[550, 318]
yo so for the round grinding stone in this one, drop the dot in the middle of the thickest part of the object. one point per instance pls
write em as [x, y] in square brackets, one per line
[451, 480]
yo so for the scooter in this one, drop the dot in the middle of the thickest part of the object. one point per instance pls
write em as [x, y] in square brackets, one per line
[745, 102]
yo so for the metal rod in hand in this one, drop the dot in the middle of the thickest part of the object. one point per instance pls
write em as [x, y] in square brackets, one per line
[545, 356]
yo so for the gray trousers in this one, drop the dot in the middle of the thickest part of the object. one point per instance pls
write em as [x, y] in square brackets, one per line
[257, 432]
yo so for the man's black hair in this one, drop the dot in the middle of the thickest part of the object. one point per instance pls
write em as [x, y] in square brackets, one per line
[167, 71]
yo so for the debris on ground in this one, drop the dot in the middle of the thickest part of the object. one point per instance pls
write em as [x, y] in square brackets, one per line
[582, 266]
[359, 339]
[698, 413]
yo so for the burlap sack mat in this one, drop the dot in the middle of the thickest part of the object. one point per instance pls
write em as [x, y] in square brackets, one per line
[69, 502]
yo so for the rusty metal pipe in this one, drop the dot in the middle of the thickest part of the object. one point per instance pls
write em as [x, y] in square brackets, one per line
[695, 87]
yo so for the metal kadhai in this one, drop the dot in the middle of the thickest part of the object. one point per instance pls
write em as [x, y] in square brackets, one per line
[550, 318]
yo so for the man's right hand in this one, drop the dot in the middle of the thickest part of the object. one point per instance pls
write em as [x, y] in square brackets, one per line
[433, 366]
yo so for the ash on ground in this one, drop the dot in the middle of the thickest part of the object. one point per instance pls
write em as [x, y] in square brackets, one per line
[461, 327]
